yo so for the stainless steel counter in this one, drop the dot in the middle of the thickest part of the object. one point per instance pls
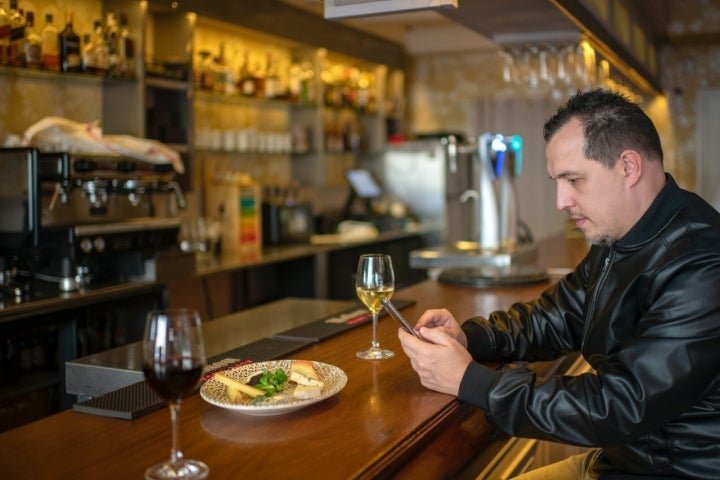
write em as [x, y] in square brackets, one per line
[117, 368]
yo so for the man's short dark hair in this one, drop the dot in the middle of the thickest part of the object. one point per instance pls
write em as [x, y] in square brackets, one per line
[611, 124]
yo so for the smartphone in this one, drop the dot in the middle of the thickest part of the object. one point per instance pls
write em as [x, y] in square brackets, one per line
[394, 312]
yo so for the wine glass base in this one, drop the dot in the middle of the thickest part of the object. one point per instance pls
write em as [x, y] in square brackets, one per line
[376, 354]
[185, 470]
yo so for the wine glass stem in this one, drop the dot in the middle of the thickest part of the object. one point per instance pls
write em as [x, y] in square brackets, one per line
[176, 455]
[375, 343]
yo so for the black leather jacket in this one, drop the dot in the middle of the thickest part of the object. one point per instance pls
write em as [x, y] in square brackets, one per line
[645, 314]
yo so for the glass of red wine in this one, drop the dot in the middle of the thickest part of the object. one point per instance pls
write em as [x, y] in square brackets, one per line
[173, 360]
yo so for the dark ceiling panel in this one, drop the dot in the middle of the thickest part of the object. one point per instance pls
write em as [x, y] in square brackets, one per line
[509, 17]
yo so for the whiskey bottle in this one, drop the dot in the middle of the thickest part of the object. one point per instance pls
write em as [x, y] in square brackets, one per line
[49, 45]
[69, 46]
[127, 48]
[32, 49]
[100, 51]
[112, 39]
[273, 84]
[17, 33]
[246, 81]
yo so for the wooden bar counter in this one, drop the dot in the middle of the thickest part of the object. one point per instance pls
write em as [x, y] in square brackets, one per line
[383, 424]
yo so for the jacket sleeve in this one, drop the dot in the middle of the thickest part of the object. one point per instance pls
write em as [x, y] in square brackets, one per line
[665, 366]
[543, 329]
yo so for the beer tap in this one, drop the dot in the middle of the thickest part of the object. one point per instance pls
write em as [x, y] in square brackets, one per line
[489, 215]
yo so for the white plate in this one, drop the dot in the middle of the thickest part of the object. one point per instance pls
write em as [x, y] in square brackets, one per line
[215, 392]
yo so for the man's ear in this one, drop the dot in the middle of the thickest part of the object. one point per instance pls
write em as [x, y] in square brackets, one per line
[632, 165]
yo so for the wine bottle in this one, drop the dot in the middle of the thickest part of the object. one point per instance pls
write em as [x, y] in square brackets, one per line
[69, 47]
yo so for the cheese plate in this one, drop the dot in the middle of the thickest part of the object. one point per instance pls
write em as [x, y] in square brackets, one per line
[215, 393]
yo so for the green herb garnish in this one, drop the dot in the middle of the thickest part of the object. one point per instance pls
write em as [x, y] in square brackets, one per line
[271, 382]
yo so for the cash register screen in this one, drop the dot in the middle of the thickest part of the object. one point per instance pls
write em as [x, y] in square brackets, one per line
[363, 183]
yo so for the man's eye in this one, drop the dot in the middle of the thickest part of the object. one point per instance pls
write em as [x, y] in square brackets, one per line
[573, 181]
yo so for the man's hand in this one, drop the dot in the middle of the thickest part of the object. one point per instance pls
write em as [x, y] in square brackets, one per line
[440, 364]
[443, 319]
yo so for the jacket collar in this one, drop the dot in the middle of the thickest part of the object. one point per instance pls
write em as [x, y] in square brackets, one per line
[664, 207]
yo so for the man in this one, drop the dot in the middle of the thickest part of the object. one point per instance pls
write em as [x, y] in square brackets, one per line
[643, 308]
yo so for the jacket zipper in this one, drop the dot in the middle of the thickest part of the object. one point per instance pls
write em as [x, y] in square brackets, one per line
[593, 300]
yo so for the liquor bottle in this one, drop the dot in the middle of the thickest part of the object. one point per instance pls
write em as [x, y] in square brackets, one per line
[127, 48]
[69, 47]
[247, 82]
[206, 79]
[259, 78]
[295, 80]
[273, 84]
[99, 52]
[224, 82]
[4, 34]
[112, 39]
[88, 54]
[17, 33]
[307, 82]
[49, 46]
[32, 47]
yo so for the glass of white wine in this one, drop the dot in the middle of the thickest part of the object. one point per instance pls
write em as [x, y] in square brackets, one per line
[375, 280]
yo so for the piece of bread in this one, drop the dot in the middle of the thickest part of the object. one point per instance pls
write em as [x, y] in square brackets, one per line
[303, 373]
[303, 392]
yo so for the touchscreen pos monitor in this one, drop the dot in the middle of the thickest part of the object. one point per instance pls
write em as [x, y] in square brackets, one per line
[363, 186]
[363, 183]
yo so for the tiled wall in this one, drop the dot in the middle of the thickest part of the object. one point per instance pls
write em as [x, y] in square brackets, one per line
[687, 69]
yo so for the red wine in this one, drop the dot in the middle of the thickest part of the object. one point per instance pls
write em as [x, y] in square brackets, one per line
[174, 379]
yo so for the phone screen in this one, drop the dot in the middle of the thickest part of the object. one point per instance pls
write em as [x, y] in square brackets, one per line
[395, 313]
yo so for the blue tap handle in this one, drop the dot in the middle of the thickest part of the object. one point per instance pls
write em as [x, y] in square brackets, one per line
[498, 145]
[516, 145]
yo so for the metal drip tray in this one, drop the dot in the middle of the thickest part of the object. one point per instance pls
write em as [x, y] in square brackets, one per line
[494, 276]
[468, 257]
[466, 264]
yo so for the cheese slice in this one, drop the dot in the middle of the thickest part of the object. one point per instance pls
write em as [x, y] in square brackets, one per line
[231, 383]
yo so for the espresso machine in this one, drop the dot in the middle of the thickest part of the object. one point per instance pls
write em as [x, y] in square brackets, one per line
[485, 242]
[71, 221]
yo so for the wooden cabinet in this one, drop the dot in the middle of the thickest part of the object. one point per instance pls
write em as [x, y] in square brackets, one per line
[37, 340]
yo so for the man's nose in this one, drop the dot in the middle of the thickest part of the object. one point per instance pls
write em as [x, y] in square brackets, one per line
[563, 198]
